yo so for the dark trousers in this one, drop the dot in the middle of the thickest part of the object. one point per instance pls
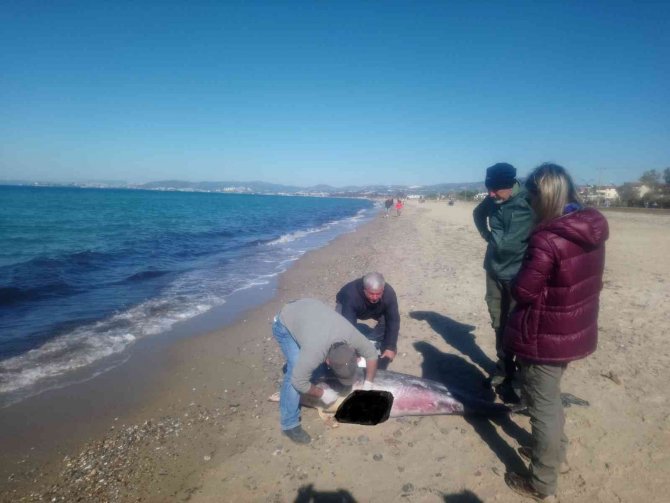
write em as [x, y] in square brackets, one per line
[500, 303]
[541, 389]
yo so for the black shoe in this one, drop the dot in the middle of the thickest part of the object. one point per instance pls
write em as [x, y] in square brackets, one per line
[521, 485]
[507, 393]
[496, 380]
[298, 435]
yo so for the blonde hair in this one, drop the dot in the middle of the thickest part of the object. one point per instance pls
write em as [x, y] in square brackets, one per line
[551, 189]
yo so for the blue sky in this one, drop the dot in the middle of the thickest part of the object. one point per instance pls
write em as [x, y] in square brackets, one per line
[337, 92]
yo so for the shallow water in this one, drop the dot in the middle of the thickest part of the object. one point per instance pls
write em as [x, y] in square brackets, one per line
[85, 273]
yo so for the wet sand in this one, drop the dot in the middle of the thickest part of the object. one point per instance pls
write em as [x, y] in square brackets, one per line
[204, 430]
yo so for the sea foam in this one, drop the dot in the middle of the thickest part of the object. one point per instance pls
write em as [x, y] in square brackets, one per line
[200, 276]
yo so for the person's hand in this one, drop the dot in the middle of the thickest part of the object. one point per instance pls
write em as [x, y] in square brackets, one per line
[364, 385]
[388, 354]
[329, 396]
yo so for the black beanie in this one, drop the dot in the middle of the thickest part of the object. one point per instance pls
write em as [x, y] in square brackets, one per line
[500, 176]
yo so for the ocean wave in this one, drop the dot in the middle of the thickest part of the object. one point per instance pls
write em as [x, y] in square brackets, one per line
[58, 261]
[144, 275]
[88, 344]
[59, 356]
[88, 257]
[299, 234]
[187, 290]
[11, 295]
[292, 236]
[47, 276]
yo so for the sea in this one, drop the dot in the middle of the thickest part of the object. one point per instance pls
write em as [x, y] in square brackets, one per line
[87, 273]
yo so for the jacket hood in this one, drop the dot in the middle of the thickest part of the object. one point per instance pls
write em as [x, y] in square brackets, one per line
[586, 227]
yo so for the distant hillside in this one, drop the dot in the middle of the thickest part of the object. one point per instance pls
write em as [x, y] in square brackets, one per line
[258, 187]
[255, 187]
[272, 188]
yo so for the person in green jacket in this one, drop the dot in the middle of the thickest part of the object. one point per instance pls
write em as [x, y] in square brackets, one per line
[504, 219]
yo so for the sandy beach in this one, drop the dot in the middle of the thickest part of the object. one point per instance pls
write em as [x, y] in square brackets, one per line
[200, 427]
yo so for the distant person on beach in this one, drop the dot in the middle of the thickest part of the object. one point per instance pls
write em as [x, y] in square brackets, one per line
[388, 204]
[370, 297]
[504, 219]
[556, 317]
[398, 207]
[310, 333]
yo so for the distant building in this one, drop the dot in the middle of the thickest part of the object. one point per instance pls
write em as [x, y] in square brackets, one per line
[236, 189]
[608, 193]
[642, 189]
[599, 195]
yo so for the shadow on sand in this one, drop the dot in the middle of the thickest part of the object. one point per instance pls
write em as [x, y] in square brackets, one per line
[466, 379]
[307, 494]
[457, 335]
[462, 497]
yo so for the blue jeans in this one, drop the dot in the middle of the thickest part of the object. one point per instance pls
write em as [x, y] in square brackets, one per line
[289, 398]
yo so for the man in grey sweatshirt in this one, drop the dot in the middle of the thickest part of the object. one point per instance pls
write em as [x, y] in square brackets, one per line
[310, 333]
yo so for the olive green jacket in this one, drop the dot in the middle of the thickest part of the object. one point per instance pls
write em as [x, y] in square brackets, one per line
[505, 226]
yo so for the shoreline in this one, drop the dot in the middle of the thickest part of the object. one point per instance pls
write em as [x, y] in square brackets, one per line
[208, 429]
[115, 390]
[73, 327]
[124, 394]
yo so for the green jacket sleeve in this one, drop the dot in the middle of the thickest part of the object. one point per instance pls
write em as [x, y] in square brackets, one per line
[480, 216]
[517, 230]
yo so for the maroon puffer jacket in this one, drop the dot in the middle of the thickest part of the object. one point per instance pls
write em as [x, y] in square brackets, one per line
[557, 290]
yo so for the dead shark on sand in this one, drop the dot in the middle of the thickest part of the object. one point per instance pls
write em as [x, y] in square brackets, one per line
[393, 394]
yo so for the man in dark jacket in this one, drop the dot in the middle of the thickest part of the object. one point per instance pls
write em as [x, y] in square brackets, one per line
[504, 219]
[370, 297]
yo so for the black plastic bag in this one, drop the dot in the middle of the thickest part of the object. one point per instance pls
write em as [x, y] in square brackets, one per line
[365, 407]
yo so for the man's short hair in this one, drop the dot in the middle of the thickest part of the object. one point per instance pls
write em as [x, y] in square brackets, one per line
[373, 281]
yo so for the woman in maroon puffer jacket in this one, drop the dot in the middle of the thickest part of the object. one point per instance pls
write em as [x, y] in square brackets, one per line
[556, 318]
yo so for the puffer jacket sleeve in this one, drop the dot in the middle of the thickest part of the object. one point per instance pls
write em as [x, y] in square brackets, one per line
[535, 271]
